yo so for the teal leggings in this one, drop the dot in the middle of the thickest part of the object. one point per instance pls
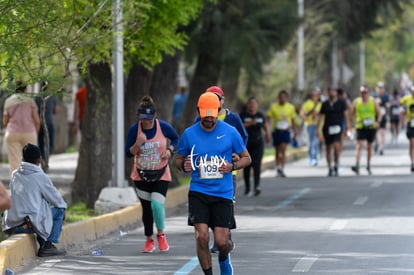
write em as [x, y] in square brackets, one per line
[152, 198]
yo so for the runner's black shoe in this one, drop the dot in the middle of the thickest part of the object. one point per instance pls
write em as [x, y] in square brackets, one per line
[280, 173]
[355, 169]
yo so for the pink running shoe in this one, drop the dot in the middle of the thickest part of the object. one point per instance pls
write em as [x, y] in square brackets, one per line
[162, 243]
[149, 247]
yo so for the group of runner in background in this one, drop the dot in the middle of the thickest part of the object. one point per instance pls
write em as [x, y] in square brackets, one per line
[324, 120]
[329, 119]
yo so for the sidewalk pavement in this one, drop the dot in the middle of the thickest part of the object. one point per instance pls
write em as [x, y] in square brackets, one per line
[20, 249]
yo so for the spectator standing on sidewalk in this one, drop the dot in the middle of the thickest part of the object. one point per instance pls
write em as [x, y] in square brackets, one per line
[37, 206]
[151, 142]
[50, 108]
[309, 113]
[79, 113]
[333, 113]
[367, 115]
[206, 150]
[255, 123]
[21, 119]
[283, 115]
[408, 102]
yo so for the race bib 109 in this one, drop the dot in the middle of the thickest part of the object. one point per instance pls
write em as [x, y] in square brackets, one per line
[210, 170]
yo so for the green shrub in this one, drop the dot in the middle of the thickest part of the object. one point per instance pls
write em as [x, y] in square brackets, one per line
[79, 212]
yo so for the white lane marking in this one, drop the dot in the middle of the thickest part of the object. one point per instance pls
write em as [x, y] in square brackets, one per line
[338, 225]
[305, 263]
[376, 184]
[293, 198]
[361, 200]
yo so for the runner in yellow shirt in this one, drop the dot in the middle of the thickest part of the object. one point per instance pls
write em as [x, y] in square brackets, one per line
[283, 115]
[408, 103]
[367, 114]
[309, 113]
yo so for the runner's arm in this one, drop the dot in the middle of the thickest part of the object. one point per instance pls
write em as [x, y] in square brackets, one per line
[348, 124]
[243, 162]
[182, 163]
[321, 122]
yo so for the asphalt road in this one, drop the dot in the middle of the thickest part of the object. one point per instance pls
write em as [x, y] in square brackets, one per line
[306, 223]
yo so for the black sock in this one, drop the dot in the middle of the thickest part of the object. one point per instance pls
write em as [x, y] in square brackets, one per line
[208, 271]
[221, 258]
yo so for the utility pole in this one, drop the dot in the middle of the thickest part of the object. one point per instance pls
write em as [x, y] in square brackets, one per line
[118, 178]
[300, 53]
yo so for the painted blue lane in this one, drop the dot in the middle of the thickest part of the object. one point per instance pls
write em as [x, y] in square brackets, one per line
[188, 267]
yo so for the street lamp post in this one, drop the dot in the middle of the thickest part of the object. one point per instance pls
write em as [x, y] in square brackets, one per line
[118, 178]
[300, 53]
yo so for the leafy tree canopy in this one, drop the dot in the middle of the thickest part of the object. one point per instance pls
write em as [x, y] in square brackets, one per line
[44, 38]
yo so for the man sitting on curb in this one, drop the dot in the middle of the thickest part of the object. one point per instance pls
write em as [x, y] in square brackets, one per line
[37, 206]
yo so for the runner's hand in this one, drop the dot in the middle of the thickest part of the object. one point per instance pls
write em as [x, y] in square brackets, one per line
[226, 168]
[321, 138]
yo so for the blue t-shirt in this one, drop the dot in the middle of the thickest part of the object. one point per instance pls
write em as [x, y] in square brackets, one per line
[208, 151]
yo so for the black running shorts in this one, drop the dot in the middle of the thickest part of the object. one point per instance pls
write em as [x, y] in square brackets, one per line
[366, 134]
[214, 211]
[410, 132]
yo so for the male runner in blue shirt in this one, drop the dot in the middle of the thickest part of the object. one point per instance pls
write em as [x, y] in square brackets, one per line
[205, 149]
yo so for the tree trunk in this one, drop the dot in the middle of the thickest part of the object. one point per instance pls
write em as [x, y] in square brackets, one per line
[341, 65]
[94, 169]
[206, 74]
[209, 60]
[163, 89]
[164, 86]
[230, 80]
[43, 125]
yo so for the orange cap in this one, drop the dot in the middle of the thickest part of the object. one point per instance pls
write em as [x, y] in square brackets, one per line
[208, 105]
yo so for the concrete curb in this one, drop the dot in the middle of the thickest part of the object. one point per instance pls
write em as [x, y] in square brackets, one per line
[20, 249]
